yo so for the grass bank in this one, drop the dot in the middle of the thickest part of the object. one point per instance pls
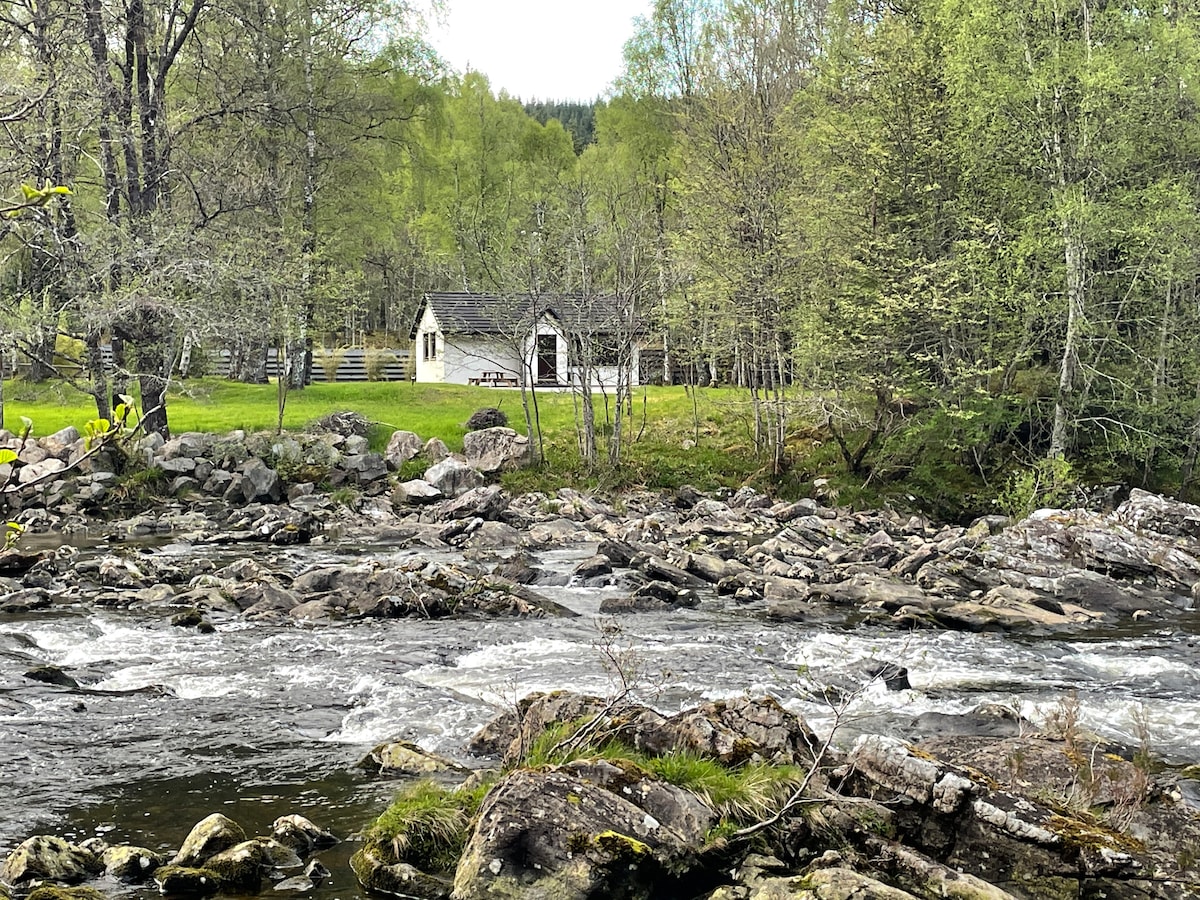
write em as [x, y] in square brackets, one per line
[675, 437]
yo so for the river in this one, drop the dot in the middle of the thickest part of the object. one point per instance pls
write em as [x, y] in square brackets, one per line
[259, 720]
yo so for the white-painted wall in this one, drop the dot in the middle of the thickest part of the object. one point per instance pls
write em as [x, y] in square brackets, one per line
[469, 357]
[429, 370]
[461, 357]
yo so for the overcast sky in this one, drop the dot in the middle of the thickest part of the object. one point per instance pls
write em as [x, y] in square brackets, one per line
[539, 49]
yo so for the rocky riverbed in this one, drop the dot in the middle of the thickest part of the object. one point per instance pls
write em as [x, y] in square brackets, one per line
[246, 540]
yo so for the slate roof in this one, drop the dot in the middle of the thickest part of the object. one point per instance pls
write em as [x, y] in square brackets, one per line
[484, 314]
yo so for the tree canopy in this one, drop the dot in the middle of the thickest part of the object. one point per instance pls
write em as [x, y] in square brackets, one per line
[945, 245]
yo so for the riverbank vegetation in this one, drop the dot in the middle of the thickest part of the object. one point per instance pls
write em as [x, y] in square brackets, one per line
[702, 436]
[943, 250]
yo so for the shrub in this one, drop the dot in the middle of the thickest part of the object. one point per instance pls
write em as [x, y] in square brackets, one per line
[330, 360]
[488, 417]
[376, 362]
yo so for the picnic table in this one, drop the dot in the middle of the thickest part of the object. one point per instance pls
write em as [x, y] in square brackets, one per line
[495, 379]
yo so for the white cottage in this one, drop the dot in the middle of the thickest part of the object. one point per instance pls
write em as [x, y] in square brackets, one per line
[463, 338]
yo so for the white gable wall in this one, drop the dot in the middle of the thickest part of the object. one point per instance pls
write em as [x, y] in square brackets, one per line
[429, 370]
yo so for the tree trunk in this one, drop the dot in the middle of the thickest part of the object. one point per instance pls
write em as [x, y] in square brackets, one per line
[97, 374]
[1064, 405]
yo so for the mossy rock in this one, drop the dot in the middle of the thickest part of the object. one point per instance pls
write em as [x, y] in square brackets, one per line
[45, 857]
[129, 863]
[277, 855]
[240, 867]
[187, 881]
[301, 835]
[375, 873]
[405, 758]
[621, 845]
[54, 892]
[834, 883]
[208, 837]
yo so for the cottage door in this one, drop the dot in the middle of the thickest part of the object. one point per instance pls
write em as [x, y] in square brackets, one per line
[547, 359]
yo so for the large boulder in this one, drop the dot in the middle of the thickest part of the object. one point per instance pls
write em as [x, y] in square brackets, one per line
[497, 449]
[61, 442]
[405, 758]
[187, 881]
[415, 493]
[452, 477]
[487, 417]
[363, 468]
[584, 841]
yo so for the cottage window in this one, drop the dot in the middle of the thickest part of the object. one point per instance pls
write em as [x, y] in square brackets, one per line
[429, 345]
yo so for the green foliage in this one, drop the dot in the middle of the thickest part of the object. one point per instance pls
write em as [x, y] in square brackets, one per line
[426, 824]
[12, 534]
[32, 198]
[141, 486]
[743, 794]
[1048, 483]
[746, 793]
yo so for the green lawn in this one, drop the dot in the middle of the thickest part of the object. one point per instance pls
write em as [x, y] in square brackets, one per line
[661, 453]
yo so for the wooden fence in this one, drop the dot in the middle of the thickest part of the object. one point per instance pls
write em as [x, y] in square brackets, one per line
[353, 364]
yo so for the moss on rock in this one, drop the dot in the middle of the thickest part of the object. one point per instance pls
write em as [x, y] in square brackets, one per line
[375, 871]
[187, 881]
[129, 863]
[239, 867]
[54, 892]
[208, 837]
[45, 857]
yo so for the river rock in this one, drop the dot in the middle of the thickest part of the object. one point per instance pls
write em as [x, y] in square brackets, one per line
[402, 446]
[40, 471]
[25, 600]
[208, 837]
[128, 863]
[486, 503]
[54, 892]
[375, 873]
[584, 842]
[260, 483]
[415, 492]
[240, 867]
[732, 731]
[497, 449]
[301, 834]
[61, 442]
[191, 445]
[45, 857]
[51, 675]
[452, 477]
[512, 731]
[364, 468]
[187, 881]
[405, 758]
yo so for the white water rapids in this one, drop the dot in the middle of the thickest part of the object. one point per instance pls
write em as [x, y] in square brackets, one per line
[260, 720]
